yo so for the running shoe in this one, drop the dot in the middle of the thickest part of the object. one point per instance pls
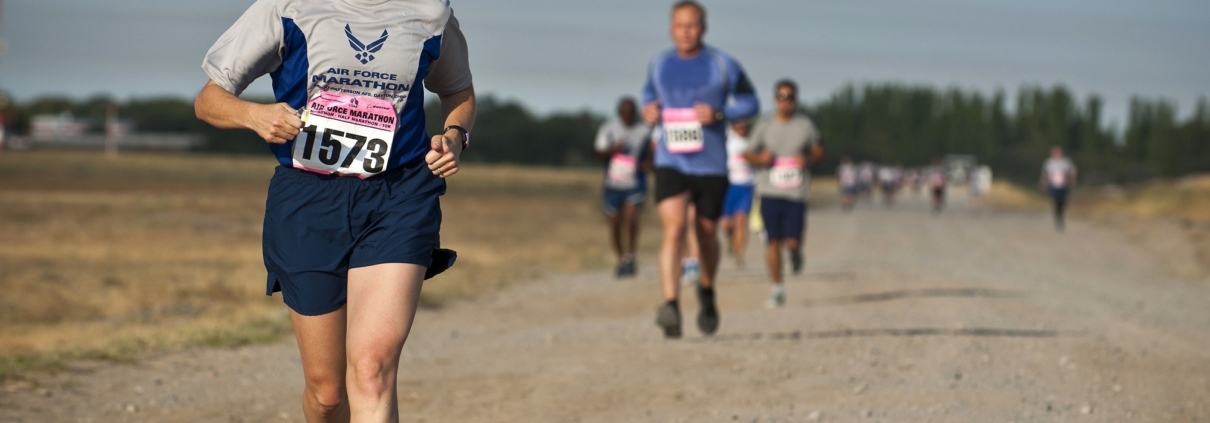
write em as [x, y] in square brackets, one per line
[626, 267]
[691, 273]
[796, 261]
[777, 298]
[707, 318]
[632, 269]
[668, 317]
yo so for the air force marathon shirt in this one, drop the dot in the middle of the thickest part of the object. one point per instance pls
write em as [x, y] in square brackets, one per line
[678, 83]
[377, 51]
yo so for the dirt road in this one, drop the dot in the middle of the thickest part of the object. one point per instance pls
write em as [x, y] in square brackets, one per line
[899, 316]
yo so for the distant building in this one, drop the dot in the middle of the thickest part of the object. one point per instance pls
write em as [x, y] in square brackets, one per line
[66, 131]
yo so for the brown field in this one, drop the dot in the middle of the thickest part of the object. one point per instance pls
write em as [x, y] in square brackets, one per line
[108, 257]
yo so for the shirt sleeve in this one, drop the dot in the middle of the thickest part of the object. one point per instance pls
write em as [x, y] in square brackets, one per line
[602, 142]
[248, 50]
[451, 73]
[744, 102]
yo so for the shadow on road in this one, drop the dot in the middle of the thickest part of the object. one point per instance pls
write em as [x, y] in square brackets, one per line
[912, 293]
[854, 333]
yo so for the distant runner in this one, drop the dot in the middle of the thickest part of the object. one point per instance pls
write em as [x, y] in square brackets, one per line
[981, 184]
[687, 91]
[1058, 176]
[936, 180]
[846, 177]
[739, 195]
[889, 177]
[624, 146]
[782, 148]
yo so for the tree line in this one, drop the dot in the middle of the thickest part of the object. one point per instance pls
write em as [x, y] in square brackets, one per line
[887, 123]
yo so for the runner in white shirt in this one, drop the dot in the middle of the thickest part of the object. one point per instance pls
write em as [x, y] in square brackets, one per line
[888, 178]
[738, 202]
[1058, 176]
[981, 184]
[846, 177]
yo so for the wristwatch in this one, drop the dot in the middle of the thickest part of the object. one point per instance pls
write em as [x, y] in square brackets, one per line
[466, 135]
[718, 116]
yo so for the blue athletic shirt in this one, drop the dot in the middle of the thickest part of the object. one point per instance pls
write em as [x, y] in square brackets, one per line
[711, 77]
[373, 48]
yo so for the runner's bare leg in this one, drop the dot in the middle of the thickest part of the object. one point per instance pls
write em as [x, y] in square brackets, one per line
[321, 343]
[382, 306]
[672, 218]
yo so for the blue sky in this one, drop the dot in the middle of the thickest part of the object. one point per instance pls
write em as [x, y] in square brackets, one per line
[566, 55]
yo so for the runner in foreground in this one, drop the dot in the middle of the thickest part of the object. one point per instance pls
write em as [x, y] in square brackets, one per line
[783, 148]
[738, 203]
[352, 219]
[1058, 176]
[623, 144]
[687, 91]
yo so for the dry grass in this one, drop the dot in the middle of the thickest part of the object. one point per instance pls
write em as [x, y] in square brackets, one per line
[1186, 199]
[109, 257]
[1006, 195]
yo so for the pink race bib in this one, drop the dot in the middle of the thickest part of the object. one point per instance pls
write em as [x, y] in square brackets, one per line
[345, 134]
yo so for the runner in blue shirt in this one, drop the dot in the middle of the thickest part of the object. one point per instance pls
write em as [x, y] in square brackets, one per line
[687, 92]
[353, 216]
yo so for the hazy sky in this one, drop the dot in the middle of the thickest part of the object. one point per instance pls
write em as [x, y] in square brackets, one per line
[564, 54]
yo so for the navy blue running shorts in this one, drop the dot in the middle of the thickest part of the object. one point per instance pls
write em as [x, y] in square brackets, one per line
[784, 219]
[317, 227]
[614, 199]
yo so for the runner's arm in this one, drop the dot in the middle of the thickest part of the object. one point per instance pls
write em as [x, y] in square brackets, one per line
[275, 123]
[601, 146]
[459, 110]
[757, 154]
[744, 102]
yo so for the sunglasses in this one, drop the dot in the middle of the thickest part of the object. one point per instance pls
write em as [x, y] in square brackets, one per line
[785, 97]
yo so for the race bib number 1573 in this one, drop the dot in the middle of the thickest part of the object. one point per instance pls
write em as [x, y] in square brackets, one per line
[346, 135]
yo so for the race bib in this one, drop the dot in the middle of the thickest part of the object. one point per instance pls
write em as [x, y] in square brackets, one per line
[847, 178]
[623, 171]
[739, 171]
[1058, 178]
[785, 174]
[345, 134]
[682, 130]
[936, 179]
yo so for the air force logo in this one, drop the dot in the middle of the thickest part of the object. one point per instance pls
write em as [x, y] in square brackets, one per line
[365, 51]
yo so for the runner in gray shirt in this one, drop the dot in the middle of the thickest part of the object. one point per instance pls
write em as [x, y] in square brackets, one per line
[1058, 176]
[624, 145]
[782, 148]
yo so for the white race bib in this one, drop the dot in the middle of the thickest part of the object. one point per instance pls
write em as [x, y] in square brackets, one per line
[345, 134]
[786, 174]
[682, 130]
[623, 171]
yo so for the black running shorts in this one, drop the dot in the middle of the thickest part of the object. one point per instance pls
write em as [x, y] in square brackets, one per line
[706, 192]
